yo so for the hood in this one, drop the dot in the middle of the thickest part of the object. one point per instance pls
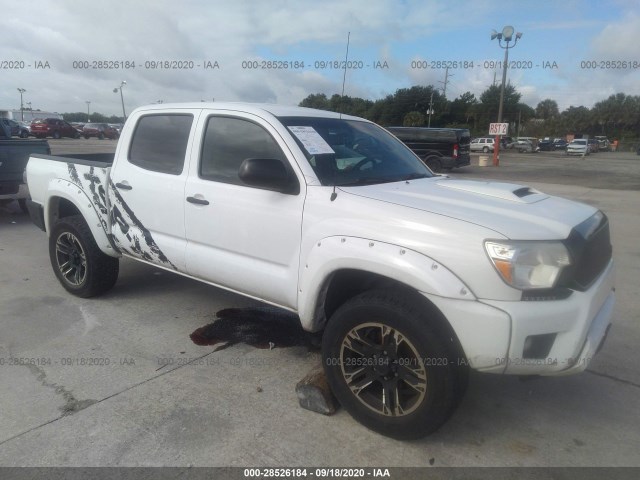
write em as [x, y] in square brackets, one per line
[514, 211]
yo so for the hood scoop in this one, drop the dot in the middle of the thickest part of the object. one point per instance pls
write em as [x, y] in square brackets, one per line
[505, 191]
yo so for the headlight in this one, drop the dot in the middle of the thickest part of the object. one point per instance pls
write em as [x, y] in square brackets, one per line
[528, 264]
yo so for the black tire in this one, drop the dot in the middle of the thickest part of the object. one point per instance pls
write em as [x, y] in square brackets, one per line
[24, 134]
[86, 137]
[56, 135]
[485, 149]
[81, 267]
[434, 164]
[353, 338]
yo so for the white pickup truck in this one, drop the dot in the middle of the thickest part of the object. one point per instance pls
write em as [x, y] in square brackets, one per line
[414, 278]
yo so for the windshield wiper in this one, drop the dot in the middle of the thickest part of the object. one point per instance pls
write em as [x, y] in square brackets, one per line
[415, 175]
[374, 180]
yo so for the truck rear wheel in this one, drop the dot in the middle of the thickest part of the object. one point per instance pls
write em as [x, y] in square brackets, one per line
[434, 164]
[389, 367]
[81, 267]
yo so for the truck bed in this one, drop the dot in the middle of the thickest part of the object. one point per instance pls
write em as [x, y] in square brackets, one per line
[88, 175]
[98, 160]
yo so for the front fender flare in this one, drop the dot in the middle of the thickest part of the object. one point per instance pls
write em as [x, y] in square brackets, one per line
[401, 264]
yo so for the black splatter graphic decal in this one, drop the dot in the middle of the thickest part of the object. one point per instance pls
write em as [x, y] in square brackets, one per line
[97, 191]
[73, 173]
[94, 187]
[152, 252]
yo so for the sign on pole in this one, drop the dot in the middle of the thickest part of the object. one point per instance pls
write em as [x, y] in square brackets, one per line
[498, 128]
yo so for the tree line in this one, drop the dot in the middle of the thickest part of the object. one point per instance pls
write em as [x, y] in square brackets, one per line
[617, 117]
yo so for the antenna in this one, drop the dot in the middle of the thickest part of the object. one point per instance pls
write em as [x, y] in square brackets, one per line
[344, 75]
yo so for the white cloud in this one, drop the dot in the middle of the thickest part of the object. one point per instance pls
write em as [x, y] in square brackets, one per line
[65, 31]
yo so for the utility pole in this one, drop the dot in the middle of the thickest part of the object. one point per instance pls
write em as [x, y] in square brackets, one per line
[446, 81]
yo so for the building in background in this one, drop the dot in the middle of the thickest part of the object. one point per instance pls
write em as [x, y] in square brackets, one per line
[28, 114]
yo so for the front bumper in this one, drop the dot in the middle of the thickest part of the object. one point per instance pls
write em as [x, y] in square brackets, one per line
[502, 332]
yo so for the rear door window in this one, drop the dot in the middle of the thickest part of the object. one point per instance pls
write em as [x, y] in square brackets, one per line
[159, 142]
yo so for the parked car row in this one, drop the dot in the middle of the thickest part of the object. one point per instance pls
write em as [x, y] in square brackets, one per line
[531, 144]
[487, 144]
[56, 128]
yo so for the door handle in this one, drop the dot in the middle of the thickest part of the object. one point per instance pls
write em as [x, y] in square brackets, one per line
[197, 201]
[123, 186]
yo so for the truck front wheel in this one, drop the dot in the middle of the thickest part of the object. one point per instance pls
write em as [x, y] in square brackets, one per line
[389, 367]
[81, 267]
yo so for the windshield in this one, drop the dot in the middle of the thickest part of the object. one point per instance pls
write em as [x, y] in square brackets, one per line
[351, 152]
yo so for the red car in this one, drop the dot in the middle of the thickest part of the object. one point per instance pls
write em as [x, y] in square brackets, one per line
[100, 130]
[53, 127]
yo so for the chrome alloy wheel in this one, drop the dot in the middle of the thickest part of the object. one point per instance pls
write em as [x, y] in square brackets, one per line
[71, 259]
[383, 369]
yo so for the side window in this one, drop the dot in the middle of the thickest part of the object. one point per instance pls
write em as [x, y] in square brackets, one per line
[228, 142]
[159, 142]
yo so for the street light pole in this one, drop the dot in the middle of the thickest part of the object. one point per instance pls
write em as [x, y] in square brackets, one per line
[88, 114]
[504, 81]
[507, 36]
[115, 90]
[21, 90]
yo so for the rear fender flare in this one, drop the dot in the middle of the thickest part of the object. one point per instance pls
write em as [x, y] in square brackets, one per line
[64, 189]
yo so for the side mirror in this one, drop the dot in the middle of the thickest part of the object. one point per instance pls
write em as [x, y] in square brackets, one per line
[268, 174]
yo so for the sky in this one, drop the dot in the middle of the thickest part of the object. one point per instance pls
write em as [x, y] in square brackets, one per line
[66, 53]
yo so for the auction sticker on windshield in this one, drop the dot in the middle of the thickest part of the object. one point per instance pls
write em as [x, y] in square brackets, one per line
[311, 140]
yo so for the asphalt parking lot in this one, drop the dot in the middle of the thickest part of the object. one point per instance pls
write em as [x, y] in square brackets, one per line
[118, 381]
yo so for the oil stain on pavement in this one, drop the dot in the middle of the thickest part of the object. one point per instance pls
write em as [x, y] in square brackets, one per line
[260, 327]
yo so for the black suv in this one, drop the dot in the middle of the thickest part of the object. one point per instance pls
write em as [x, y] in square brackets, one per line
[439, 148]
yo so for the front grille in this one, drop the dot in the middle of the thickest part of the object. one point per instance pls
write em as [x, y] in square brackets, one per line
[590, 248]
[595, 257]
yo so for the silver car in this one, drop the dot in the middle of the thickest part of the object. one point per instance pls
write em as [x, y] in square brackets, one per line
[525, 146]
[483, 144]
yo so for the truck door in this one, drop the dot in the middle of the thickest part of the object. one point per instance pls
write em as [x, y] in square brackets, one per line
[240, 237]
[146, 190]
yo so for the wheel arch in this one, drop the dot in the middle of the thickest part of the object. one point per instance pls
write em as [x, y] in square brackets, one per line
[339, 268]
[66, 199]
